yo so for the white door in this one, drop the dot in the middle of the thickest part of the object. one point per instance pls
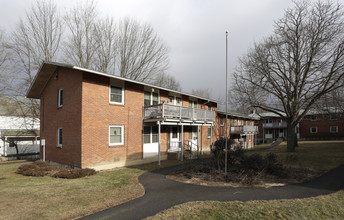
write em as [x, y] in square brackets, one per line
[193, 138]
[150, 141]
[174, 139]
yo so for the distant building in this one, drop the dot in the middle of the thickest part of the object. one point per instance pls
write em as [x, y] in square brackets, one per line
[16, 129]
[316, 125]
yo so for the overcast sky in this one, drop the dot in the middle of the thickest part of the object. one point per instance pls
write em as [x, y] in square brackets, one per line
[194, 31]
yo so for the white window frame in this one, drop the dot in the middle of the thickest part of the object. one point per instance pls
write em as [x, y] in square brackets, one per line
[211, 131]
[150, 134]
[59, 133]
[180, 101]
[122, 135]
[151, 97]
[60, 98]
[334, 131]
[118, 86]
[316, 130]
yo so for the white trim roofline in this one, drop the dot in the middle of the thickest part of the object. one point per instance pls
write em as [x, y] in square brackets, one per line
[28, 94]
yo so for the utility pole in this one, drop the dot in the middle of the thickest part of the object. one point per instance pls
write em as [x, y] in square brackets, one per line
[226, 145]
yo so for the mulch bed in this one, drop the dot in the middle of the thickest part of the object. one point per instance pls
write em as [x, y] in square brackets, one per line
[202, 173]
[41, 168]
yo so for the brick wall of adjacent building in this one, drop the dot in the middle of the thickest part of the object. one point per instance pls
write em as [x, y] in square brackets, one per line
[68, 117]
[323, 124]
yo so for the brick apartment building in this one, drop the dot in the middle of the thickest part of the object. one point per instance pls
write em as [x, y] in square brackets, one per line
[316, 125]
[93, 119]
[321, 125]
[241, 129]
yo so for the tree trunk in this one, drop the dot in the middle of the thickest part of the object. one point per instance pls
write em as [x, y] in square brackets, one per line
[17, 150]
[291, 138]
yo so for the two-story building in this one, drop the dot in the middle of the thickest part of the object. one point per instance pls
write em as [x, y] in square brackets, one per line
[315, 125]
[241, 129]
[94, 119]
[322, 125]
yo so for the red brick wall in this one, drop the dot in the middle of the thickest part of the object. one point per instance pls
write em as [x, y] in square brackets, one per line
[323, 123]
[99, 114]
[68, 117]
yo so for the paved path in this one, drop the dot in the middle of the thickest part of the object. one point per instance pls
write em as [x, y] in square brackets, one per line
[162, 193]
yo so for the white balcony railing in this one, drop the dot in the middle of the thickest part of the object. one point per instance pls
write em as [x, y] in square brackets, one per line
[178, 112]
[246, 129]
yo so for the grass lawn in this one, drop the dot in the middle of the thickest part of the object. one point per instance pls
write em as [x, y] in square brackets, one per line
[318, 155]
[321, 207]
[321, 155]
[24, 197]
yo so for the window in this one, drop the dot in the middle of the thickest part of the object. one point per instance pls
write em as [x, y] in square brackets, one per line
[193, 104]
[147, 99]
[333, 117]
[256, 122]
[116, 95]
[334, 129]
[151, 98]
[155, 98]
[155, 134]
[314, 130]
[170, 99]
[268, 121]
[178, 100]
[210, 107]
[222, 121]
[59, 137]
[313, 118]
[268, 131]
[150, 134]
[60, 98]
[116, 135]
[146, 134]
[209, 132]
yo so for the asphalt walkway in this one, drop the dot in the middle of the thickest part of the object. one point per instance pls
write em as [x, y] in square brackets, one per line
[162, 193]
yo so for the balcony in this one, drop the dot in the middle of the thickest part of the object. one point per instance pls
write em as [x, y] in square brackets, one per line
[246, 129]
[171, 112]
[275, 125]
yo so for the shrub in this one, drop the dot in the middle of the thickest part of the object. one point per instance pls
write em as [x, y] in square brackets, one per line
[41, 168]
[254, 162]
[233, 156]
[38, 168]
[73, 174]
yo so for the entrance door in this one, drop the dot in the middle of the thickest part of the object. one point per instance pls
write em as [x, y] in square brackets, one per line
[174, 139]
[193, 138]
[150, 141]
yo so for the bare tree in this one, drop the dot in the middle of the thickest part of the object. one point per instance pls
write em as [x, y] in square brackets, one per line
[206, 93]
[36, 38]
[167, 81]
[106, 39]
[141, 54]
[332, 103]
[301, 62]
[81, 46]
[4, 58]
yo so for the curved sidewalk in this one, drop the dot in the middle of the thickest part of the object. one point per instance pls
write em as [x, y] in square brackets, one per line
[162, 193]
